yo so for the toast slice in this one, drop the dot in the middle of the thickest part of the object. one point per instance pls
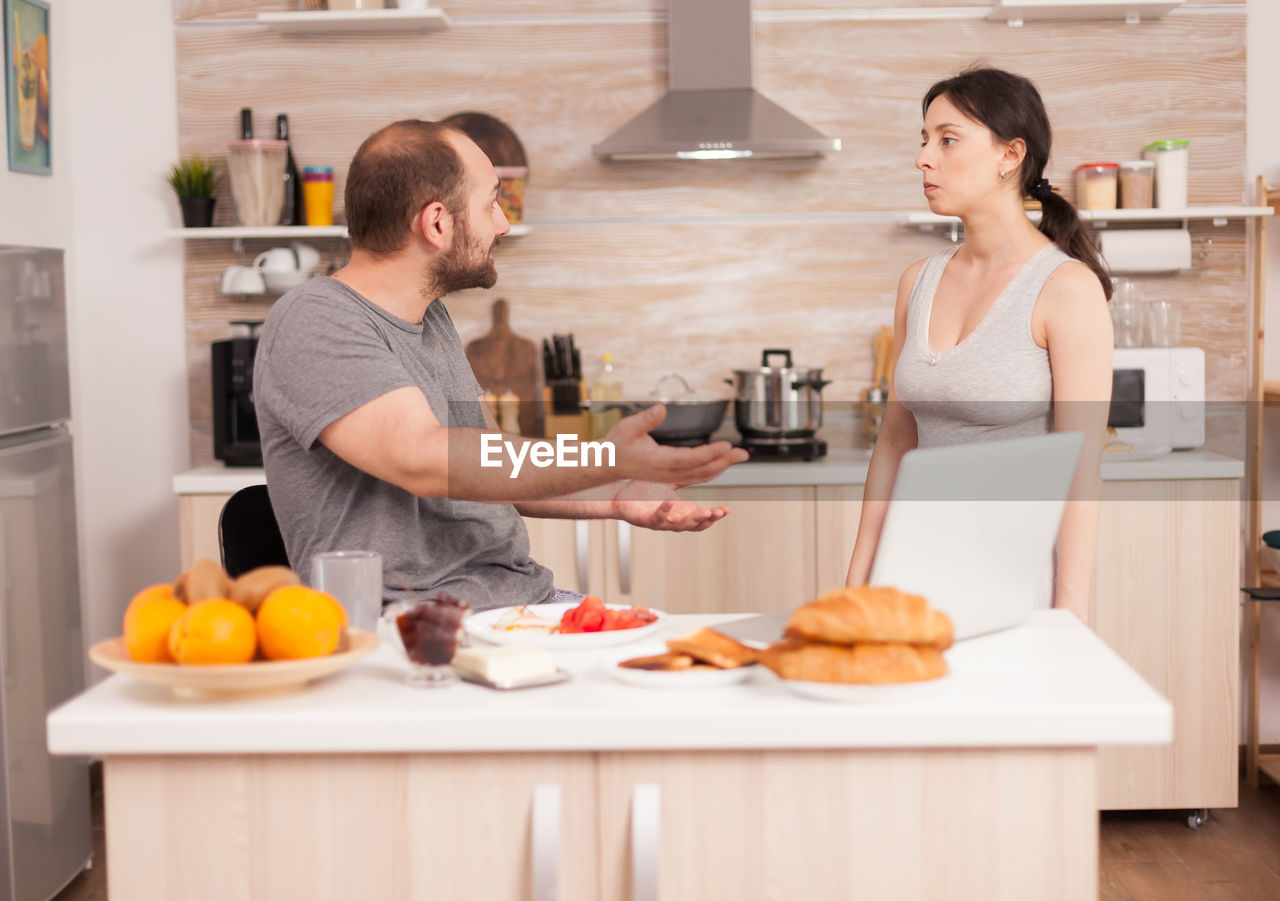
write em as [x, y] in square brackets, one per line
[668, 662]
[711, 647]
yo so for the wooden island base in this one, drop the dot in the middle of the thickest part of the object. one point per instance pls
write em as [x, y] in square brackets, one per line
[998, 823]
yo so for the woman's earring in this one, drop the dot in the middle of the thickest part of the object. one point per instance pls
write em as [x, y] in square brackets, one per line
[1002, 175]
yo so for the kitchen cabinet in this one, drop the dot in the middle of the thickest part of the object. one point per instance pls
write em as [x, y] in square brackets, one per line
[397, 826]
[198, 516]
[760, 558]
[1166, 599]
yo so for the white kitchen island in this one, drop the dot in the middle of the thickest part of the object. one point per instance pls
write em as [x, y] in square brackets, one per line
[359, 787]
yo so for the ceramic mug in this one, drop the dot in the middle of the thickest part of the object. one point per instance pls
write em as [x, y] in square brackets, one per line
[242, 280]
[308, 257]
[277, 259]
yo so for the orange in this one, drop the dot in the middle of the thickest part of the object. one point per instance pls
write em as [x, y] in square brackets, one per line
[147, 622]
[296, 621]
[213, 631]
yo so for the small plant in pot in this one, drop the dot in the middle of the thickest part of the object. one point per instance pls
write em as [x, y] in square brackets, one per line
[193, 181]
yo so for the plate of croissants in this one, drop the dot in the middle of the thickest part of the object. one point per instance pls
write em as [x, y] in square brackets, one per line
[864, 644]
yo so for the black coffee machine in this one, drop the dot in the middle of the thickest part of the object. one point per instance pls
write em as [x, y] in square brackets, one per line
[235, 423]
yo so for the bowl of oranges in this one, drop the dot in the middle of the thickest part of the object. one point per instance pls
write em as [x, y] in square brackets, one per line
[208, 634]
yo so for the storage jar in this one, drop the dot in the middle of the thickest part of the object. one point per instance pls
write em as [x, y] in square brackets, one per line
[1137, 183]
[257, 168]
[1171, 159]
[317, 194]
[1096, 186]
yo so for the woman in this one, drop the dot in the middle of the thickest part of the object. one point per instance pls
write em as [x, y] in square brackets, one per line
[1007, 335]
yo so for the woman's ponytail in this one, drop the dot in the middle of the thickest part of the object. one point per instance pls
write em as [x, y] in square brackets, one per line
[1060, 222]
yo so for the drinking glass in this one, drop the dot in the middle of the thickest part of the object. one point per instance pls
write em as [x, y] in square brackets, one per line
[427, 633]
[1164, 324]
[355, 579]
[1126, 313]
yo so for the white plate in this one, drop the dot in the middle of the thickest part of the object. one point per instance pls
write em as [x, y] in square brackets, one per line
[480, 626]
[1139, 452]
[685, 679]
[895, 693]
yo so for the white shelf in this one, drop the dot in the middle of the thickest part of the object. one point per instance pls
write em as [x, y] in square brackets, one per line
[243, 232]
[927, 220]
[230, 232]
[356, 21]
[1176, 215]
[1015, 12]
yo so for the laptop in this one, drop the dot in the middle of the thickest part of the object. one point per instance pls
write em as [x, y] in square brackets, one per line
[972, 528]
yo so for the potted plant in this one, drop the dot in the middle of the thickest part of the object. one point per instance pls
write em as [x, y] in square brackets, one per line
[193, 181]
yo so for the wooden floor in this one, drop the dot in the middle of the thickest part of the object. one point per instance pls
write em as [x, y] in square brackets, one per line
[1146, 856]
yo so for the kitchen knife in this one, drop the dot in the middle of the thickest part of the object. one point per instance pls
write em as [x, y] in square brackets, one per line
[575, 361]
[548, 362]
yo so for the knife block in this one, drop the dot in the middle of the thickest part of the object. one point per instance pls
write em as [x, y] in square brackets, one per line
[576, 424]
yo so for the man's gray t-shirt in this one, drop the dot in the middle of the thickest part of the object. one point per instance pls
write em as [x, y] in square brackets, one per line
[326, 350]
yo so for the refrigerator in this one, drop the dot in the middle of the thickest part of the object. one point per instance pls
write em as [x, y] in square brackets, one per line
[45, 834]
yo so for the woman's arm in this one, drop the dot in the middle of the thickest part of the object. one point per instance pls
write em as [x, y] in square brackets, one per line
[897, 436]
[1078, 333]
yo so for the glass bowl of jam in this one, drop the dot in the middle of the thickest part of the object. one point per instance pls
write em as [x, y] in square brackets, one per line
[427, 633]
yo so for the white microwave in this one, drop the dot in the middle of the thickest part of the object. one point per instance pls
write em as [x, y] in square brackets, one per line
[1157, 396]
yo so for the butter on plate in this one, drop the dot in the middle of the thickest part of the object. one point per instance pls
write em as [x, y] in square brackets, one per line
[505, 666]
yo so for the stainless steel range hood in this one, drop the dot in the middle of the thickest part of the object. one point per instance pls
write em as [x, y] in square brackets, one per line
[711, 110]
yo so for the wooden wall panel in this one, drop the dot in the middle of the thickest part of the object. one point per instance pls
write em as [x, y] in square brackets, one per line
[462, 9]
[696, 267]
[563, 88]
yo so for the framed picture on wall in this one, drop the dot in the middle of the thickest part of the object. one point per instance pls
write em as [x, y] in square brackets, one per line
[26, 68]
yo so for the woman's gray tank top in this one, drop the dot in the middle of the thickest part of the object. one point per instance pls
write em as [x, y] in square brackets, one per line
[996, 383]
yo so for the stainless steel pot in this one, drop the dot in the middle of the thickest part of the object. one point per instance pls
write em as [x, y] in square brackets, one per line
[777, 403]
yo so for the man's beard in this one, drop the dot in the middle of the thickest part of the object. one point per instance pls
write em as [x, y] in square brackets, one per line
[466, 265]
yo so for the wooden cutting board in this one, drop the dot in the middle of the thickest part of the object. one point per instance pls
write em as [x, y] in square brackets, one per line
[504, 362]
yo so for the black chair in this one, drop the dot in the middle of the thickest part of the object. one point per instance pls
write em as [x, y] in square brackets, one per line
[248, 533]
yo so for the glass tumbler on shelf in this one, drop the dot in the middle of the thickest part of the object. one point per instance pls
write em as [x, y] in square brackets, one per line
[1164, 324]
[427, 633]
[1127, 314]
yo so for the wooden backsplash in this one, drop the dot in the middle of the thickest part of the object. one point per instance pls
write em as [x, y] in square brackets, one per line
[697, 266]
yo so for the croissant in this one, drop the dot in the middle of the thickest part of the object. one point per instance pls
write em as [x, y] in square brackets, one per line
[872, 663]
[864, 613]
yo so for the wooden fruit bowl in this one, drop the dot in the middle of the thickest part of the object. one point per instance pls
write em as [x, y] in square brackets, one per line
[232, 679]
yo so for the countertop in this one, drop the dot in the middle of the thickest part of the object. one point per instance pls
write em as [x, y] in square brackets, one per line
[842, 466]
[1049, 683]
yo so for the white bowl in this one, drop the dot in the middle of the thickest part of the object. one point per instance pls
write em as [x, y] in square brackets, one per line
[285, 281]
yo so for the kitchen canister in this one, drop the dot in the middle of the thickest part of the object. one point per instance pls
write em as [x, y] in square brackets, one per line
[257, 168]
[1171, 159]
[1137, 184]
[1096, 186]
[317, 194]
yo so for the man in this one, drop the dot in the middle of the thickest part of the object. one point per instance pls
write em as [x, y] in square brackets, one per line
[370, 415]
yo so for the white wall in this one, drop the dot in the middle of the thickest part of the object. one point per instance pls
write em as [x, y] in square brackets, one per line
[129, 376]
[1262, 157]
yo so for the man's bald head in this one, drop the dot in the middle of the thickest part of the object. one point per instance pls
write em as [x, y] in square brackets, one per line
[397, 171]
